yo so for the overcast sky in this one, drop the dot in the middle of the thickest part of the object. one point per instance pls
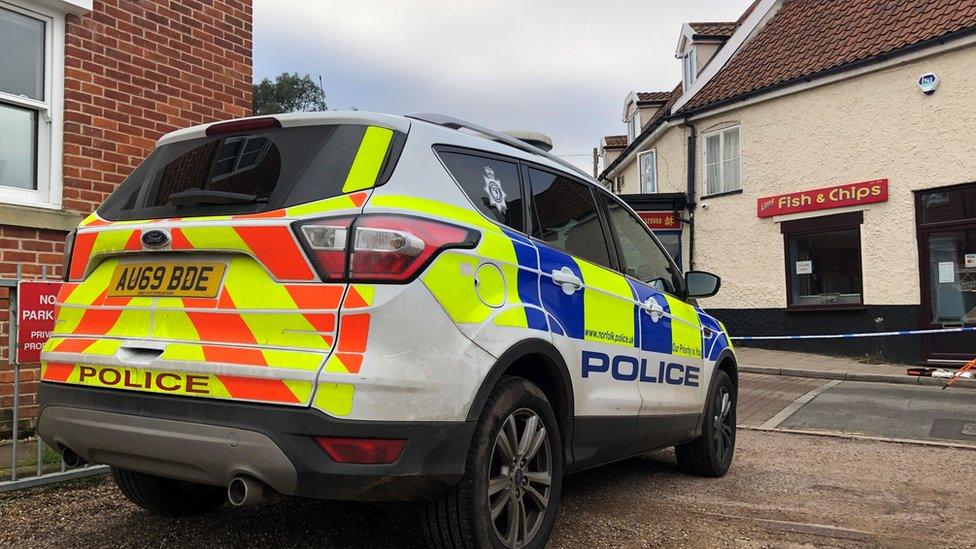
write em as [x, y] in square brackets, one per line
[559, 67]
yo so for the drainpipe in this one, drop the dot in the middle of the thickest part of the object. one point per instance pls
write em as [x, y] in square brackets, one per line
[692, 144]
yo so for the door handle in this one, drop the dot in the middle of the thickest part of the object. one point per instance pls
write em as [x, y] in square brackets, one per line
[653, 308]
[570, 282]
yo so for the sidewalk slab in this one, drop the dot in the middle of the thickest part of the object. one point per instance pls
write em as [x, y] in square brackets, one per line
[785, 363]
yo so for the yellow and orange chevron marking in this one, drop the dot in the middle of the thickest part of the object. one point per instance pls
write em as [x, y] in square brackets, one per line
[337, 398]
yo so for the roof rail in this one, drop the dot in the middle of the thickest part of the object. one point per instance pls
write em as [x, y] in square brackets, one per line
[457, 124]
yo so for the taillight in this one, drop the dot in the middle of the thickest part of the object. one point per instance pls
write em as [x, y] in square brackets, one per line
[328, 242]
[69, 245]
[362, 450]
[379, 248]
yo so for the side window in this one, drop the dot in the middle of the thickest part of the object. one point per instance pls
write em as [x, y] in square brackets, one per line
[493, 186]
[566, 217]
[642, 258]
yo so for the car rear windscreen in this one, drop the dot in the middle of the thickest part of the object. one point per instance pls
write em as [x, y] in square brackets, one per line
[243, 173]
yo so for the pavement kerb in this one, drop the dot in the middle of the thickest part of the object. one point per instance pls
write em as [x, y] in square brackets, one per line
[853, 436]
[853, 376]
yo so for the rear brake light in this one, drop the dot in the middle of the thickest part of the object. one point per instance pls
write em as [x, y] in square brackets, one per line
[69, 245]
[328, 242]
[243, 125]
[379, 248]
[362, 450]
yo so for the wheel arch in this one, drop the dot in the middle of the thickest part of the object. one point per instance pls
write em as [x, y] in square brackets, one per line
[538, 361]
[727, 363]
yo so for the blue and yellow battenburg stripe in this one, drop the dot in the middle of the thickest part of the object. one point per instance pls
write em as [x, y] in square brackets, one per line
[511, 292]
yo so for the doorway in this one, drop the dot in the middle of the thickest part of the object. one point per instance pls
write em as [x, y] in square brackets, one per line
[946, 225]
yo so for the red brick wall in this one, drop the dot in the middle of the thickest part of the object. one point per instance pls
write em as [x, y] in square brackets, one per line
[134, 70]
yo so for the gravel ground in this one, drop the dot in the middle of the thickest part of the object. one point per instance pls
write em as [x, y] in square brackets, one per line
[872, 493]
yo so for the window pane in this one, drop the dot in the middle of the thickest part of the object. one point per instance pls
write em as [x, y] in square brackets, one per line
[949, 205]
[22, 57]
[713, 155]
[493, 186]
[952, 284]
[825, 268]
[731, 144]
[642, 258]
[282, 167]
[731, 169]
[18, 147]
[648, 175]
[567, 217]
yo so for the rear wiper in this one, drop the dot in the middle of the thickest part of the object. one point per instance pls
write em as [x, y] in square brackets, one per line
[196, 195]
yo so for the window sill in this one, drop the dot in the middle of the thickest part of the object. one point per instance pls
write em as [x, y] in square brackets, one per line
[824, 308]
[724, 193]
[38, 218]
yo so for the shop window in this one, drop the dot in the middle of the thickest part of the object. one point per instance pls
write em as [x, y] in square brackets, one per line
[823, 261]
[722, 162]
[27, 107]
[648, 171]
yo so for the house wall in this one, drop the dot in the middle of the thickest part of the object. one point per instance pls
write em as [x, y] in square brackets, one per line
[132, 72]
[873, 126]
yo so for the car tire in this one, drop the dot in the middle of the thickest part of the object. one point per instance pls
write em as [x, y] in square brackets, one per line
[710, 455]
[168, 497]
[510, 481]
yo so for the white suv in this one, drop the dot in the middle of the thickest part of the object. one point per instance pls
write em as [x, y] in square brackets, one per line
[366, 307]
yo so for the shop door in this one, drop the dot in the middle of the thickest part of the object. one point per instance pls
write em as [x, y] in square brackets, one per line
[947, 242]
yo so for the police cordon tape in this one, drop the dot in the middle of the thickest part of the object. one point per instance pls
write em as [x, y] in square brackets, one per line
[856, 335]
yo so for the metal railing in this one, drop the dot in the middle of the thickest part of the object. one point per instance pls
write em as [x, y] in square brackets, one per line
[38, 463]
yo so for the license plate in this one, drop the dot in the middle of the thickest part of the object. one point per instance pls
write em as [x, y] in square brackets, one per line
[158, 279]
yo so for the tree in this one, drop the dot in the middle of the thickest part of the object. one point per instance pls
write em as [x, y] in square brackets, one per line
[288, 93]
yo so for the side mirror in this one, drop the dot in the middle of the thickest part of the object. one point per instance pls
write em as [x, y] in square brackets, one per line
[702, 284]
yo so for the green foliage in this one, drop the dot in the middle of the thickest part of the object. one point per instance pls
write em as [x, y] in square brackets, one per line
[288, 93]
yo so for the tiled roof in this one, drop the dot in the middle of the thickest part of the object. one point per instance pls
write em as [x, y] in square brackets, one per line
[653, 97]
[806, 37]
[655, 120]
[713, 29]
[615, 141]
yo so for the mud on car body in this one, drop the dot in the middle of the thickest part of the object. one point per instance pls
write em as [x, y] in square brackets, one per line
[366, 307]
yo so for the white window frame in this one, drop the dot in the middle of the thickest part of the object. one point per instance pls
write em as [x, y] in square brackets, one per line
[49, 112]
[645, 186]
[689, 67]
[633, 126]
[722, 188]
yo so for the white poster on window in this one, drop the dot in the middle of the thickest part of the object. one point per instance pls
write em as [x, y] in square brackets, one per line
[970, 261]
[804, 267]
[947, 272]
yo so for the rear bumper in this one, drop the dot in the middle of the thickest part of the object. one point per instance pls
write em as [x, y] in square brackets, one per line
[211, 441]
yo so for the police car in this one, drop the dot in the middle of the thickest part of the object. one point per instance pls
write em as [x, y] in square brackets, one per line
[366, 307]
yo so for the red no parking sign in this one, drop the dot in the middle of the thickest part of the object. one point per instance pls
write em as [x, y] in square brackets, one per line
[35, 317]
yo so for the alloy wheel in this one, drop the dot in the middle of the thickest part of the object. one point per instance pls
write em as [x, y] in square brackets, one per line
[723, 430]
[519, 478]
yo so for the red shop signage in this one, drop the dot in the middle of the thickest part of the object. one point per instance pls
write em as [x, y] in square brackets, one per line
[660, 221]
[852, 194]
[35, 317]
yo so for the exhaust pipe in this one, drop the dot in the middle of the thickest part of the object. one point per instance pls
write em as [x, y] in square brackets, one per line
[245, 490]
[70, 458]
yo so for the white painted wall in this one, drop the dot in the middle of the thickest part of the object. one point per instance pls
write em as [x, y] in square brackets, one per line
[877, 125]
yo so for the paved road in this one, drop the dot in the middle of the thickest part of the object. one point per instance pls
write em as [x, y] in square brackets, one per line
[784, 490]
[877, 409]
